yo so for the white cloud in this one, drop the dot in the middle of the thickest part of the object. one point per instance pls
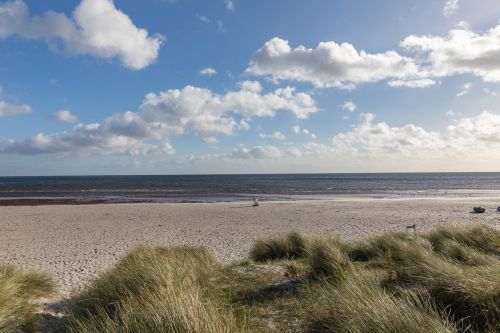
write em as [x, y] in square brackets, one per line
[461, 52]
[257, 152]
[171, 112]
[464, 25]
[208, 71]
[489, 92]
[10, 109]
[349, 106]
[220, 26]
[479, 134]
[468, 143]
[450, 7]
[118, 134]
[207, 113]
[203, 19]
[329, 64]
[465, 89]
[293, 152]
[276, 136]
[370, 137]
[419, 83]
[229, 4]
[305, 131]
[65, 116]
[97, 28]
[450, 113]
[428, 58]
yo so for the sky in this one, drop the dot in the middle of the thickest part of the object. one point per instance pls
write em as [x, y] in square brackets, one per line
[248, 86]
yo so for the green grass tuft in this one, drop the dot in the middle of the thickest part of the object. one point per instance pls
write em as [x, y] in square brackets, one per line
[482, 238]
[360, 305]
[445, 280]
[328, 259]
[20, 291]
[293, 245]
[154, 290]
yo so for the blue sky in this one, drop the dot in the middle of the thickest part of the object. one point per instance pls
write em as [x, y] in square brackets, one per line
[185, 86]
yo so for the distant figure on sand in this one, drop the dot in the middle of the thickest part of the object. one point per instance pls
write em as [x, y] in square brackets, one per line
[255, 202]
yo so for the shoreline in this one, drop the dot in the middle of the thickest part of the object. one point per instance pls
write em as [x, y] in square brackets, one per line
[454, 194]
[74, 243]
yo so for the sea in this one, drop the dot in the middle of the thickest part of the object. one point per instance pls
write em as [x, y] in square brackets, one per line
[222, 188]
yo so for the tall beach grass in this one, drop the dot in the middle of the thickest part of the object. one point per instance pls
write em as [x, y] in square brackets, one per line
[20, 293]
[444, 280]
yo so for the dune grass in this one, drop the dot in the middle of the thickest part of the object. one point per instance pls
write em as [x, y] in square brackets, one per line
[361, 305]
[444, 280]
[294, 245]
[328, 259]
[20, 292]
[154, 290]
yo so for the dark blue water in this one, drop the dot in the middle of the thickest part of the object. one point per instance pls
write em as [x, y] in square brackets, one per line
[202, 188]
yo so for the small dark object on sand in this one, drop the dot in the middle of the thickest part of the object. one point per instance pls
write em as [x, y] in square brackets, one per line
[479, 210]
[255, 202]
[414, 227]
[498, 209]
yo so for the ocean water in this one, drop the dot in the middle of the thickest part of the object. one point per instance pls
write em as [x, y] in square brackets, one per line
[213, 188]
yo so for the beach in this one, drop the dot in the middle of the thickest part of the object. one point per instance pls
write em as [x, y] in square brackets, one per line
[74, 243]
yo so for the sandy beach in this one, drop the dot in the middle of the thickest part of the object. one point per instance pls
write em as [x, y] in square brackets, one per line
[75, 243]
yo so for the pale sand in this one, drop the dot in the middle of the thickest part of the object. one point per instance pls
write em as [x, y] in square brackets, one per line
[74, 243]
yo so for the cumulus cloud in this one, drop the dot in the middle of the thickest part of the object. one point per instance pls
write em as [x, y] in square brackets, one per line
[207, 113]
[461, 52]
[276, 136]
[208, 71]
[372, 137]
[121, 133]
[65, 116]
[171, 112]
[479, 133]
[257, 152]
[11, 109]
[450, 7]
[349, 106]
[329, 64]
[419, 83]
[96, 27]
[293, 152]
[427, 58]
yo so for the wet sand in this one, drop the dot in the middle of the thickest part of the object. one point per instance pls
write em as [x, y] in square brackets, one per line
[74, 243]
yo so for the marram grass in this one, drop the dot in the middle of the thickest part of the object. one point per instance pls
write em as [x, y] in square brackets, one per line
[20, 292]
[444, 280]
